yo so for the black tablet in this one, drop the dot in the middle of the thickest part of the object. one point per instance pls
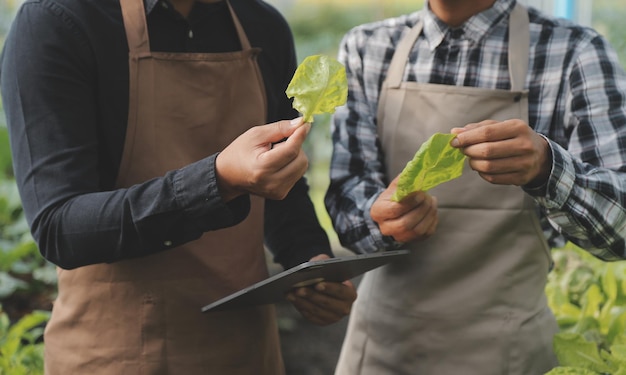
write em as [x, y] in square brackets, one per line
[273, 289]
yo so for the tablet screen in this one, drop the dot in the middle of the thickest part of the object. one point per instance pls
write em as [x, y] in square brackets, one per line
[273, 289]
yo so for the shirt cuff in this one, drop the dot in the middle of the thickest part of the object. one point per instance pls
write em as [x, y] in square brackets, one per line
[561, 182]
[197, 193]
[376, 241]
[540, 191]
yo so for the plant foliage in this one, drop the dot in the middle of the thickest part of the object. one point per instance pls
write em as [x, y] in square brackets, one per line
[318, 86]
[434, 163]
[21, 349]
[588, 298]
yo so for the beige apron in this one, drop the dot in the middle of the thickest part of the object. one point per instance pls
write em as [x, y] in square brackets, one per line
[142, 316]
[471, 298]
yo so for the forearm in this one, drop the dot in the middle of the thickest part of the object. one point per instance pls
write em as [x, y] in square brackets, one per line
[587, 205]
[585, 195]
[144, 219]
[355, 228]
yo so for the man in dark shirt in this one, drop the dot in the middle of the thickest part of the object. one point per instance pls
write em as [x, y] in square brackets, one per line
[145, 231]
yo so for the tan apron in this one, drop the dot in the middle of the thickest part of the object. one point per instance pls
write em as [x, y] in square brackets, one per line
[142, 316]
[471, 298]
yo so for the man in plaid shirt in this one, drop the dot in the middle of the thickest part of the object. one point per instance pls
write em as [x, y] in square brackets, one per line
[538, 105]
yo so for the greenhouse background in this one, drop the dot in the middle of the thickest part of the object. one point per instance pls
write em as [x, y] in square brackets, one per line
[588, 296]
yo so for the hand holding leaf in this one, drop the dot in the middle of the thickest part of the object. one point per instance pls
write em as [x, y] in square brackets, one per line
[318, 86]
[434, 163]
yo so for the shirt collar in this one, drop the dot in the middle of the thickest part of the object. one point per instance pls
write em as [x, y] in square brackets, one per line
[474, 29]
[149, 5]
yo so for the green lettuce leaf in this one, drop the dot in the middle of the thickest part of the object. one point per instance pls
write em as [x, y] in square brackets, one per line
[318, 86]
[434, 163]
[572, 350]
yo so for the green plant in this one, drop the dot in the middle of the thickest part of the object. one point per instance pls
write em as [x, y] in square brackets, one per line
[588, 298]
[21, 349]
[27, 281]
[608, 19]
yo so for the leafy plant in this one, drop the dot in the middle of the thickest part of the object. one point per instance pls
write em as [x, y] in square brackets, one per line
[588, 298]
[435, 162]
[21, 349]
[27, 280]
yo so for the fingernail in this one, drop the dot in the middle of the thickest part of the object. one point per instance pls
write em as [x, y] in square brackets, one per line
[308, 127]
[420, 196]
[455, 142]
[296, 122]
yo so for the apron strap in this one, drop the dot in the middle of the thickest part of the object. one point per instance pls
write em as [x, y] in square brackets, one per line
[134, 15]
[519, 37]
[401, 56]
[243, 38]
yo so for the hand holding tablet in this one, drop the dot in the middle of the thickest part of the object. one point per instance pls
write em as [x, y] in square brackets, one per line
[273, 289]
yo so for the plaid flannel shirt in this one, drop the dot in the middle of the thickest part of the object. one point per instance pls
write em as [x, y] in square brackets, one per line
[577, 94]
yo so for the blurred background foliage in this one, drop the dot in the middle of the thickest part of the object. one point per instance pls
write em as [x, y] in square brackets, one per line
[28, 283]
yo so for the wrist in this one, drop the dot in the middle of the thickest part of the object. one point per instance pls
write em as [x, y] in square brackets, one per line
[227, 190]
[545, 167]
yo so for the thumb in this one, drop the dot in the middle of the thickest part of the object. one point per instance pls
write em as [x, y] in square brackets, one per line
[280, 130]
[287, 138]
[390, 189]
[319, 257]
[297, 138]
[394, 183]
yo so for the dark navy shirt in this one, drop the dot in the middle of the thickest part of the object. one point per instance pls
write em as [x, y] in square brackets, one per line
[64, 79]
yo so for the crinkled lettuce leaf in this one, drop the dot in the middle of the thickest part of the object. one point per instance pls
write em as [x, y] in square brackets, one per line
[318, 86]
[435, 162]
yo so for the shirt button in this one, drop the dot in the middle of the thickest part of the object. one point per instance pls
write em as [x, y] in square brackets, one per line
[167, 243]
[164, 5]
[190, 34]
